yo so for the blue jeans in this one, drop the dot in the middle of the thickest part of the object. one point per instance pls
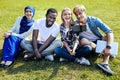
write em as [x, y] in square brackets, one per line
[80, 52]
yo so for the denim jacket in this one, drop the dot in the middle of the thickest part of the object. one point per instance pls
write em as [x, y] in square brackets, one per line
[95, 24]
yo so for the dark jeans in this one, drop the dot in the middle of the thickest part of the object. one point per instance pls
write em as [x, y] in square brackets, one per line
[80, 52]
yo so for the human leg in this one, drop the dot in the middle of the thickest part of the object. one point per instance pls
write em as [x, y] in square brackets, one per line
[104, 65]
[27, 45]
[85, 41]
[62, 52]
[50, 49]
[48, 53]
[83, 51]
[10, 50]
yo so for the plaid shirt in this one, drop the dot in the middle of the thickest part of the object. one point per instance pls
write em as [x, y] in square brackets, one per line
[68, 36]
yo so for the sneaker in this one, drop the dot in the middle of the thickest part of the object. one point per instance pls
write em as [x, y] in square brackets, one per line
[25, 57]
[62, 59]
[49, 57]
[84, 61]
[8, 64]
[28, 56]
[106, 68]
[2, 64]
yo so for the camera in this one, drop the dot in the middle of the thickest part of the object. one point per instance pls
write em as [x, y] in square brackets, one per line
[78, 28]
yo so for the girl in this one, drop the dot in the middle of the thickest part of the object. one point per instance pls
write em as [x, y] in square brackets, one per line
[21, 29]
[69, 51]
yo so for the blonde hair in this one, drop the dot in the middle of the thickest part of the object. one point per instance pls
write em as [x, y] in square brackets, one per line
[65, 9]
[79, 8]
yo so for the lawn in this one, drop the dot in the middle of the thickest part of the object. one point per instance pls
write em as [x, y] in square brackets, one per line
[107, 10]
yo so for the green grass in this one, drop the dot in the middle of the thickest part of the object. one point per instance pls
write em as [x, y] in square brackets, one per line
[107, 10]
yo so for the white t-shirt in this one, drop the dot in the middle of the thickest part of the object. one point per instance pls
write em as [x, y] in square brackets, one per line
[44, 31]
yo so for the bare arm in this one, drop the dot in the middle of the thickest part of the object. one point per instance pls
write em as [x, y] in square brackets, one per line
[109, 38]
[65, 44]
[47, 43]
[34, 43]
[34, 38]
[75, 45]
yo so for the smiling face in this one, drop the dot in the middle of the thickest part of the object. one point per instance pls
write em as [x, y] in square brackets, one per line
[66, 15]
[80, 13]
[81, 16]
[50, 19]
[28, 14]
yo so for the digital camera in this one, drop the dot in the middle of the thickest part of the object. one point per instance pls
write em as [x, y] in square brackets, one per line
[78, 28]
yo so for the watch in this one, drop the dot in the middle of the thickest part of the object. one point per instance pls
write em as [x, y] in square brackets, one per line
[108, 46]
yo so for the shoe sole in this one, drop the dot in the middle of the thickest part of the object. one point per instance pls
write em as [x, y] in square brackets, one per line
[6, 66]
[49, 57]
[105, 69]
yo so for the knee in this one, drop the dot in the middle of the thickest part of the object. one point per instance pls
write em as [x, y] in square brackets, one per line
[22, 43]
[84, 41]
[57, 51]
[58, 43]
[87, 48]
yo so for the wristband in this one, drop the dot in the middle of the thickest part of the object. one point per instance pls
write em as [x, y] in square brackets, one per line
[108, 46]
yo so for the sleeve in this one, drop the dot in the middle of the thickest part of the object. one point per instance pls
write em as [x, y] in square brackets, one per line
[26, 34]
[62, 33]
[102, 26]
[35, 25]
[15, 26]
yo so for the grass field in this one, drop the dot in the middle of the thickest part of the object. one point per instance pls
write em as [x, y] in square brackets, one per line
[107, 10]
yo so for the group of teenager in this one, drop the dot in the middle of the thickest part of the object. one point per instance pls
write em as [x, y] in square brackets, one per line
[44, 43]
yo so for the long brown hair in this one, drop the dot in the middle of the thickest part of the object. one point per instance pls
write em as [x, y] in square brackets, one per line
[71, 21]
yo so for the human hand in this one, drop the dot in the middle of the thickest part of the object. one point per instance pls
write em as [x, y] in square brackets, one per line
[71, 52]
[37, 54]
[93, 45]
[7, 34]
[107, 51]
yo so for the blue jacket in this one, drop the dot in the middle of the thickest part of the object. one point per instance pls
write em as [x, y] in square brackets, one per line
[95, 24]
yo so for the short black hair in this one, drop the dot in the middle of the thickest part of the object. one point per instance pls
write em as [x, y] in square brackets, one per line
[53, 10]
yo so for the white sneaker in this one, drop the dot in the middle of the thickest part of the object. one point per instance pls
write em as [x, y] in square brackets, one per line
[25, 56]
[62, 59]
[84, 61]
[49, 57]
